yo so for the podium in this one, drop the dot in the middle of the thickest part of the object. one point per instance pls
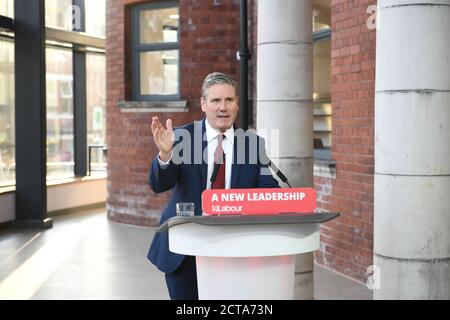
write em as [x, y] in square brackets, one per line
[245, 257]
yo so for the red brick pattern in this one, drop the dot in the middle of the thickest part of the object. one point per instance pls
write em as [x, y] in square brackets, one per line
[347, 242]
[209, 39]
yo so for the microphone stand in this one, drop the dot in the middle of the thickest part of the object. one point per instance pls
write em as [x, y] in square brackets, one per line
[279, 173]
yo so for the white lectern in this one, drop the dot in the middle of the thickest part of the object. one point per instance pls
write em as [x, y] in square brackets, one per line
[245, 257]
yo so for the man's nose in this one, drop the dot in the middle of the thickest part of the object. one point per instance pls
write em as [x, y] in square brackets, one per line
[222, 106]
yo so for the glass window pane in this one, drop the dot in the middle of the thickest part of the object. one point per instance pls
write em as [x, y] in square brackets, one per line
[7, 120]
[58, 14]
[7, 8]
[322, 69]
[159, 25]
[60, 139]
[96, 108]
[95, 17]
[159, 72]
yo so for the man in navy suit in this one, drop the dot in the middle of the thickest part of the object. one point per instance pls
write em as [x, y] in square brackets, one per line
[187, 158]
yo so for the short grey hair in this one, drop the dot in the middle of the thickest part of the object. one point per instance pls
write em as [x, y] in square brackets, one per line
[217, 78]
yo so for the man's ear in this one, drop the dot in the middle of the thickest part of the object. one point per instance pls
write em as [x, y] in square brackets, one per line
[203, 104]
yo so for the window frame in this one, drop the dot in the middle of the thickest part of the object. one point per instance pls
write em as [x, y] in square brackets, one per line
[137, 48]
[6, 23]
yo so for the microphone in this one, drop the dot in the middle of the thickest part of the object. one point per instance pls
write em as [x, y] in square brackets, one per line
[275, 169]
[279, 173]
[214, 173]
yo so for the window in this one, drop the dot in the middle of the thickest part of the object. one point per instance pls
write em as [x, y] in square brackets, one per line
[7, 8]
[322, 81]
[58, 14]
[95, 17]
[155, 51]
[7, 120]
[96, 108]
[60, 138]
[60, 75]
[61, 60]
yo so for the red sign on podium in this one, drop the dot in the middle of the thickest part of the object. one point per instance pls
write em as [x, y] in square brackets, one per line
[258, 201]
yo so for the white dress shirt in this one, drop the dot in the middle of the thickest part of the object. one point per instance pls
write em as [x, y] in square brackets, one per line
[227, 145]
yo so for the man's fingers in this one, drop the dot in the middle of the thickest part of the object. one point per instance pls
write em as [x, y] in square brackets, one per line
[156, 124]
[169, 125]
[156, 121]
[156, 134]
[163, 137]
[170, 132]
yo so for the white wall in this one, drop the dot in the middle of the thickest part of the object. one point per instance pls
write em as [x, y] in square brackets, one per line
[77, 194]
[7, 206]
[59, 197]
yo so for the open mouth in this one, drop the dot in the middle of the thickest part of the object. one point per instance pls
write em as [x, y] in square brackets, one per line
[223, 117]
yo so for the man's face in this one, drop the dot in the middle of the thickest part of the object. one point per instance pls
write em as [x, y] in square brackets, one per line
[220, 106]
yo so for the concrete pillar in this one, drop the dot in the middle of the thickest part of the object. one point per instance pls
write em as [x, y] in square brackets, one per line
[285, 90]
[412, 150]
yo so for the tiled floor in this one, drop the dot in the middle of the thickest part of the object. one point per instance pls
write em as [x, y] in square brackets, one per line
[85, 256]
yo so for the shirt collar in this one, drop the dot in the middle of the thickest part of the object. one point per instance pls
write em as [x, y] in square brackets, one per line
[212, 133]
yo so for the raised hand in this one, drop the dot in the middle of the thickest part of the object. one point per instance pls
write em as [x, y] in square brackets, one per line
[164, 138]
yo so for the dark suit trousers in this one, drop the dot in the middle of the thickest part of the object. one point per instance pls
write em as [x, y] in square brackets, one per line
[182, 283]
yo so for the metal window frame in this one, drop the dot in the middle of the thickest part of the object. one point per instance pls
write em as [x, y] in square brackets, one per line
[30, 115]
[6, 23]
[322, 35]
[79, 98]
[138, 48]
[79, 112]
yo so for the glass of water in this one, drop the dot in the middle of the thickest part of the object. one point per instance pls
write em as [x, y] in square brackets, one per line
[185, 209]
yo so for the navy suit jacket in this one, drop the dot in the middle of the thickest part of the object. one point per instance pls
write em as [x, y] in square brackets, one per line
[188, 181]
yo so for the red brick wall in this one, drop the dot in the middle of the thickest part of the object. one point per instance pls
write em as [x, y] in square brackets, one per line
[209, 39]
[347, 242]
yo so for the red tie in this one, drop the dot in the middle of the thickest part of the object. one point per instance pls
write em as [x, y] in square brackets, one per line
[219, 157]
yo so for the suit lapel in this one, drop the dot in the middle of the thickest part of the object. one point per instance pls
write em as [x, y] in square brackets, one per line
[201, 131]
[234, 166]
